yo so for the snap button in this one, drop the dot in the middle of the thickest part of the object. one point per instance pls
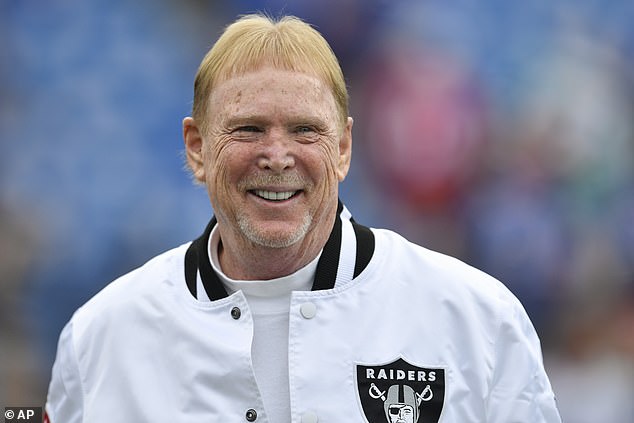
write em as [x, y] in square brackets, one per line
[251, 415]
[309, 417]
[236, 313]
[308, 310]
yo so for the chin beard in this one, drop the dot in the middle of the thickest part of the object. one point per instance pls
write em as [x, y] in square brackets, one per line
[277, 240]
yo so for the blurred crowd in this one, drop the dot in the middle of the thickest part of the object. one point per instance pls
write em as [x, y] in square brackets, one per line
[498, 132]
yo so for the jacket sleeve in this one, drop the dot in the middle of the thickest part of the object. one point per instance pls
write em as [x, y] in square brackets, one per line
[520, 389]
[64, 403]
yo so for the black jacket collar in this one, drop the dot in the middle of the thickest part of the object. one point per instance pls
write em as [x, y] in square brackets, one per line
[197, 258]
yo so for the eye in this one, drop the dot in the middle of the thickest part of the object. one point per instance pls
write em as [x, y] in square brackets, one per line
[247, 128]
[304, 129]
[246, 132]
[394, 410]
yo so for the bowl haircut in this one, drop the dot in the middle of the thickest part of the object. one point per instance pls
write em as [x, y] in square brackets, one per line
[256, 41]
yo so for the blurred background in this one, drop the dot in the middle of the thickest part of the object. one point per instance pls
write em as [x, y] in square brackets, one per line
[498, 132]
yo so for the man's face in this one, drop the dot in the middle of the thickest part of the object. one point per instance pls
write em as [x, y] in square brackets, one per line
[273, 155]
[401, 413]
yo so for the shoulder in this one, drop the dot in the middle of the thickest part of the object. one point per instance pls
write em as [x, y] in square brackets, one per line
[462, 299]
[131, 293]
[406, 255]
[441, 276]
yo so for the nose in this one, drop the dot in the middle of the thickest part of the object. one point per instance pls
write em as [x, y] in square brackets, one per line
[276, 154]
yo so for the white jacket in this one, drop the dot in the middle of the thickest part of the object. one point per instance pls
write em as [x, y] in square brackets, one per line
[391, 330]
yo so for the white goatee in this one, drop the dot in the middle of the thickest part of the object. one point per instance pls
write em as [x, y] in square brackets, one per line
[279, 240]
[268, 181]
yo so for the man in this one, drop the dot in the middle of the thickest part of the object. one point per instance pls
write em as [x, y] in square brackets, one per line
[401, 405]
[286, 309]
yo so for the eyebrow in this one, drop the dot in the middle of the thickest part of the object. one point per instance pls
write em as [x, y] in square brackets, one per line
[245, 120]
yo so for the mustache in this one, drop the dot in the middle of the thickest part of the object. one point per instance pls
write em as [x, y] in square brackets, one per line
[292, 179]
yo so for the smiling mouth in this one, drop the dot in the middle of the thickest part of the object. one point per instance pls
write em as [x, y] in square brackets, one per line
[274, 195]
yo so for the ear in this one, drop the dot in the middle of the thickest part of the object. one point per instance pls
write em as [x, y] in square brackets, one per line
[193, 148]
[345, 151]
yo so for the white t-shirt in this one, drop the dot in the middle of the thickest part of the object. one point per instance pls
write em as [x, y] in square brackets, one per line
[269, 301]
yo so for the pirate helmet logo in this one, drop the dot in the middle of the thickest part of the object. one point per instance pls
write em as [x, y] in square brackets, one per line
[399, 392]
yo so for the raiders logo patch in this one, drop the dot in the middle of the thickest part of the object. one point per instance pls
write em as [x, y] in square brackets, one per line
[400, 392]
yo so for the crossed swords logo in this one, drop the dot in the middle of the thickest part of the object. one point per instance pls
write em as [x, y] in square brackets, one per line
[426, 395]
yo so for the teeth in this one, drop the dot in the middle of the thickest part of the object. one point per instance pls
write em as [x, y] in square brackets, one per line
[275, 196]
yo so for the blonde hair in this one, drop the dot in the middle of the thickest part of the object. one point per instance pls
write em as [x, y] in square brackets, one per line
[253, 41]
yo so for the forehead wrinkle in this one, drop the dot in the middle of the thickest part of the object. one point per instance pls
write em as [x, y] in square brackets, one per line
[235, 95]
[316, 85]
